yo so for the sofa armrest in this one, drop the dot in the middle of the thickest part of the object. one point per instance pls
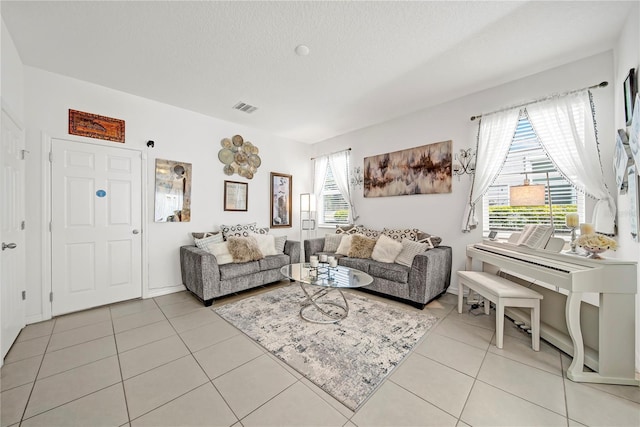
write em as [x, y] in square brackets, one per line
[313, 246]
[292, 248]
[430, 274]
[200, 272]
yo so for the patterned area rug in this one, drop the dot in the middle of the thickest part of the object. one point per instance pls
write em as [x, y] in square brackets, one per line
[348, 359]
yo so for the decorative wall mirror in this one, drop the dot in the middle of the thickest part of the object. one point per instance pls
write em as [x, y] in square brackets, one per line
[173, 191]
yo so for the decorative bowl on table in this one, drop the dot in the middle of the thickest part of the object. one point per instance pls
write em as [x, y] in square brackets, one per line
[595, 244]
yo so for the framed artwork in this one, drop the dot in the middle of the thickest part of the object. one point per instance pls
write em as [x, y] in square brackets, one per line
[95, 126]
[235, 196]
[419, 170]
[173, 191]
[621, 158]
[280, 200]
[630, 91]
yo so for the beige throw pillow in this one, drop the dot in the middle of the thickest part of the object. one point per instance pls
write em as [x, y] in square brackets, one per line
[244, 249]
[266, 243]
[409, 251]
[221, 252]
[386, 249]
[345, 245]
[361, 247]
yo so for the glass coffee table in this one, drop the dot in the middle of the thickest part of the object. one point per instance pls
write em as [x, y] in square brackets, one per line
[327, 280]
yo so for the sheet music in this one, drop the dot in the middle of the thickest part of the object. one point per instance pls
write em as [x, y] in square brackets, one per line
[535, 236]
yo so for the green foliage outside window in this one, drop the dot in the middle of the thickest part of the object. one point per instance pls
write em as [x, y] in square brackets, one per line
[514, 218]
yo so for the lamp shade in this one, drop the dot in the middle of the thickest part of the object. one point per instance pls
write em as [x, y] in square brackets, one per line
[307, 202]
[527, 195]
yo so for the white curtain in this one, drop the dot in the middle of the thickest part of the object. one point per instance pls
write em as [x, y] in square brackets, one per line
[566, 129]
[319, 175]
[494, 138]
[339, 163]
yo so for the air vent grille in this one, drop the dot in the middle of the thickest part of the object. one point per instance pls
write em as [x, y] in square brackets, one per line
[241, 106]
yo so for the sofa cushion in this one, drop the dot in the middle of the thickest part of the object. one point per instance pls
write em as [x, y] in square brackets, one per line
[238, 230]
[244, 249]
[402, 233]
[394, 272]
[357, 263]
[273, 261]
[361, 246]
[233, 270]
[409, 250]
[332, 242]
[386, 249]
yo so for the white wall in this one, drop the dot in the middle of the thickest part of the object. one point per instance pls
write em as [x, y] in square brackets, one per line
[441, 214]
[627, 56]
[179, 135]
[11, 80]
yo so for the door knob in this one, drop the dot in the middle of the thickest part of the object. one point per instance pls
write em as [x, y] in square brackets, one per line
[8, 246]
[136, 231]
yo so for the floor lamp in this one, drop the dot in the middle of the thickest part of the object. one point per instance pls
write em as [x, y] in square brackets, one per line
[307, 218]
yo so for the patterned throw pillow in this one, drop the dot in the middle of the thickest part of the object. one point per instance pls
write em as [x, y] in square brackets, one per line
[367, 232]
[386, 249]
[346, 229]
[332, 242]
[209, 240]
[204, 234]
[279, 243]
[244, 249]
[399, 234]
[239, 230]
[409, 251]
[361, 246]
[434, 241]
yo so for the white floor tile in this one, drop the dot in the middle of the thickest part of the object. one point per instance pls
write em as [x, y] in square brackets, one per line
[144, 335]
[81, 318]
[182, 308]
[194, 319]
[81, 354]
[489, 406]
[27, 349]
[144, 358]
[209, 334]
[201, 407]
[252, 384]
[19, 373]
[547, 359]
[593, 407]
[221, 358]
[394, 406]
[174, 298]
[454, 354]
[131, 307]
[136, 320]
[295, 406]
[13, 403]
[79, 335]
[471, 335]
[36, 330]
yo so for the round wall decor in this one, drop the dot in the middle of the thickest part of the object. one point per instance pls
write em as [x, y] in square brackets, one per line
[239, 157]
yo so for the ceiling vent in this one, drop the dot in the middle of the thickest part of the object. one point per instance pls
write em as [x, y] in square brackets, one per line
[241, 106]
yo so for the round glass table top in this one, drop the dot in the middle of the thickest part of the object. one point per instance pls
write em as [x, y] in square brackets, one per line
[330, 277]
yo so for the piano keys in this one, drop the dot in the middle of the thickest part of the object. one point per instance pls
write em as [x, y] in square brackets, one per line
[613, 280]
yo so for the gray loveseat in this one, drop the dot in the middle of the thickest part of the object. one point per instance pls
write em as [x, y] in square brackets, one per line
[428, 277]
[207, 280]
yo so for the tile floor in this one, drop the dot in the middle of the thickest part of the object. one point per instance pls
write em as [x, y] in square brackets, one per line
[169, 361]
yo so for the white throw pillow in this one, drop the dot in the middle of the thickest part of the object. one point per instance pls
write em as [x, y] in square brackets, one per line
[386, 249]
[221, 252]
[266, 243]
[332, 242]
[345, 245]
[210, 240]
[409, 251]
[279, 243]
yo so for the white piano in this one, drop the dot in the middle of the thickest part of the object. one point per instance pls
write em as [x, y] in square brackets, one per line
[613, 359]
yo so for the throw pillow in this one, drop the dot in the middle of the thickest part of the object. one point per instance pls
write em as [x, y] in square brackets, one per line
[429, 238]
[244, 249]
[206, 241]
[221, 252]
[361, 246]
[346, 229]
[399, 234]
[262, 230]
[409, 251]
[386, 249]
[266, 243]
[345, 245]
[238, 230]
[331, 242]
[367, 232]
[204, 234]
[279, 243]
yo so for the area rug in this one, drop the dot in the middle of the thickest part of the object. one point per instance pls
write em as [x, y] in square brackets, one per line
[348, 359]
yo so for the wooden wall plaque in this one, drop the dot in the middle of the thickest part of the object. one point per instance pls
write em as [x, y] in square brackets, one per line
[95, 126]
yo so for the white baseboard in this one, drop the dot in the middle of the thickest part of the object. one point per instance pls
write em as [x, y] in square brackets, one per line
[152, 293]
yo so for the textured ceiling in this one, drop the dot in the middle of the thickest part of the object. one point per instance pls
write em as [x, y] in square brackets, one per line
[369, 61]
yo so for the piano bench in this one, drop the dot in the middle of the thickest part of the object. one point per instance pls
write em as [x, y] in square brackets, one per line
[503, 293]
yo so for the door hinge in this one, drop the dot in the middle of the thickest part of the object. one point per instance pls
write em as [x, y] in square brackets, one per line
[50, 296]
[50, 156]
[22, 225]
[23, 153]
[50, 226]
[24, 295]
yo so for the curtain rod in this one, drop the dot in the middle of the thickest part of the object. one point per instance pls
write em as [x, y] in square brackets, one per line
[339, 151]
[601, 84]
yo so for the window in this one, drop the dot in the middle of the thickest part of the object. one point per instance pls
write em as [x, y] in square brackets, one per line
[333, 208]
[527, 159]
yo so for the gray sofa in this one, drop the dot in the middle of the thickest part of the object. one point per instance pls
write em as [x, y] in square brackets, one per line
[428, 277]
[207, 280]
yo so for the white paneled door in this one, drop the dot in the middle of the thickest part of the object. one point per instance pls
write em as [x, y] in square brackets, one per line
[96, 241]
[12, 232]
